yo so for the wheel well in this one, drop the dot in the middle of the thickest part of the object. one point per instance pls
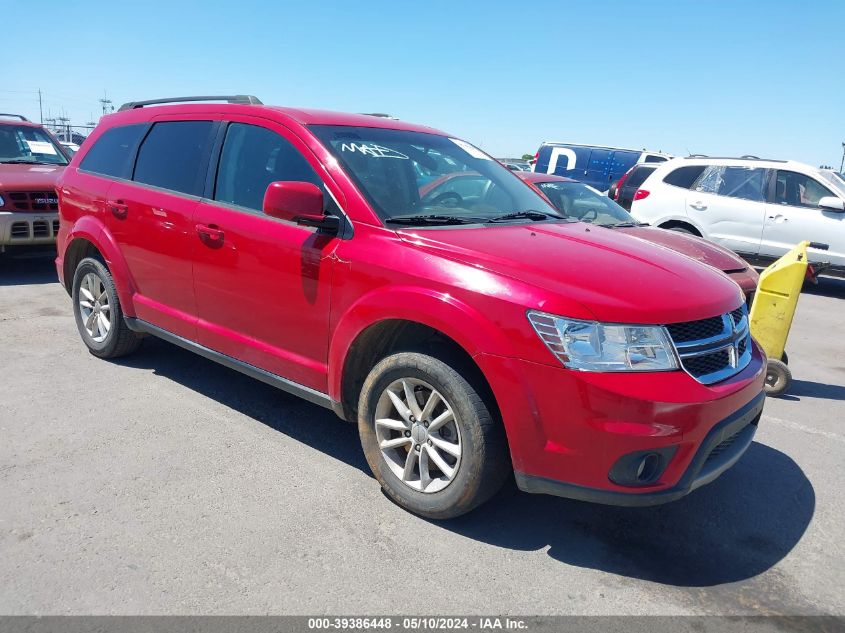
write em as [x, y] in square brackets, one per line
[678, 224]
[395, 335]
[78, 250]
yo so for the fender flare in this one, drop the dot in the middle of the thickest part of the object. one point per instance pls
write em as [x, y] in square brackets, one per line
[685, 219]
[92, 229]
[437, 310]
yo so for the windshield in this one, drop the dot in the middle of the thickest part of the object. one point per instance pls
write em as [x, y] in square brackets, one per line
[580, 202]
[834, 178]
[416, 178]
[26, 144]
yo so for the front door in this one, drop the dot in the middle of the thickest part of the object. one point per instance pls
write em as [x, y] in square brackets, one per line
[794, 215]
[263, 285]
[729, 203]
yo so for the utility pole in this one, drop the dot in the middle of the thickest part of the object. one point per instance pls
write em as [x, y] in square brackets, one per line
[40, 111]
[63, 120]
[106, 103]
[842, 164]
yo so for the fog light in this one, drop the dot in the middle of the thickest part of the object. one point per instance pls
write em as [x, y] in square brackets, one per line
[641, 468]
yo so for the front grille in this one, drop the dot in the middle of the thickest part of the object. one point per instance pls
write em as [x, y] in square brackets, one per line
[40, 228]
[55, 227]
[723, 446]
[20, 230]
[713, 349]
[707, 363]
[695, 330]
[34, 200]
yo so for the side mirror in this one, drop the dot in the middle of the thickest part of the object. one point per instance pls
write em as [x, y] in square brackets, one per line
[300, 202]
[832, 203]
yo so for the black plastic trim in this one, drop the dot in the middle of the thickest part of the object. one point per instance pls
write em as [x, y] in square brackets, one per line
[699, 473]
[312, 395]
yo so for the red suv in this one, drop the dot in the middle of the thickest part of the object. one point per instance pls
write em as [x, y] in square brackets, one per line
[470, 331]
[31, 160]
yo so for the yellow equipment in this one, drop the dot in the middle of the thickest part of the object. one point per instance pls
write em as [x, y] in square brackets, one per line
[774, 307]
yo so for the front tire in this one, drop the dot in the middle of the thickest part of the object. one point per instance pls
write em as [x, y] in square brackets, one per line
[99, 317]
[429, 437]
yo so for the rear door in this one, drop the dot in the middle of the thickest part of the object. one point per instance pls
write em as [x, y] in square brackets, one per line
[151, 218]
[728, 201]
[793, 215]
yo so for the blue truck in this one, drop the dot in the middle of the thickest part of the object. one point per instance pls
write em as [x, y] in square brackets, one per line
[593, 165]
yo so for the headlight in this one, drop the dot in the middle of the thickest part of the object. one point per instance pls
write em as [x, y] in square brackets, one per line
[593, 346]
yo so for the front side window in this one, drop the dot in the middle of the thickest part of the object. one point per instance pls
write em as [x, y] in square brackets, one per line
[409, 175]
[252, 158]
[579, 202]
[112, 153]
[171, 157]
[798, 190]
[746, 183]
[25, 144]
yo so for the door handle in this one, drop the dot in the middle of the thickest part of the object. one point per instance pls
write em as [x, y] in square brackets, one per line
[118, 208]
[210, 234]
[698, 206]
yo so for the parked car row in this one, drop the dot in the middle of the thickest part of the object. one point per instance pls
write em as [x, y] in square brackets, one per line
[472, 329]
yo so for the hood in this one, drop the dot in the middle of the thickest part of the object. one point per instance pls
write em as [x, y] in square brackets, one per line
[612, 275]
[691, 246]
[29, 177]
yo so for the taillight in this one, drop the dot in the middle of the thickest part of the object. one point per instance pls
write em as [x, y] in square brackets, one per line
[619, 184]
[641, 193]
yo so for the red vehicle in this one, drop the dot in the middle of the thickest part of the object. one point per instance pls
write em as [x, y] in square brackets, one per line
[468, 335]
[577, 200]
[31, 160]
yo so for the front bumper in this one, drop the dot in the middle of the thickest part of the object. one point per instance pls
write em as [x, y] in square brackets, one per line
[27, 228]
[567, 429]
[721, 449]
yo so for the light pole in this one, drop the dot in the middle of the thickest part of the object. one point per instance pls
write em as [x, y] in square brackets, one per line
[842, 164]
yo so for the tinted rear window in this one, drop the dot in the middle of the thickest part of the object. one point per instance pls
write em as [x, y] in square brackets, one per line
[638, 176]
[174, 155]
[112, 154]
[684, 176]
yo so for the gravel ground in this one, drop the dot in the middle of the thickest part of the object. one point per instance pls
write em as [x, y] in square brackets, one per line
[166, 484]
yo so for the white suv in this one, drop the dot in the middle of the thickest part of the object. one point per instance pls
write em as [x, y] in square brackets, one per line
[757, 208]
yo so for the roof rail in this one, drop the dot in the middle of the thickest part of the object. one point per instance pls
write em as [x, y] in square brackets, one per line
[17, 116]
[743, 157]
[242, 99]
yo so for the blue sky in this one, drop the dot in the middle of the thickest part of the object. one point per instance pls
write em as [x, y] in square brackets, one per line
[731, 78]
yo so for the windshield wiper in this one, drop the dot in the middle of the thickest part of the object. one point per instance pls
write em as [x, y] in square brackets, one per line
[618, 225]
[528, 214]
[430, 219]
[18, 161]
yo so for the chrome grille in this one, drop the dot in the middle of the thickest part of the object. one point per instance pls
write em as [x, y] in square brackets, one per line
[34, 200]
[713, 349]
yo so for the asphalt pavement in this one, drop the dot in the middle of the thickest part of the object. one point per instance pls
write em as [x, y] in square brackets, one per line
[164, 483]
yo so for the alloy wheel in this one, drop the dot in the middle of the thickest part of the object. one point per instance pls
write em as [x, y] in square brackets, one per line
[418, 435]
[94, 307]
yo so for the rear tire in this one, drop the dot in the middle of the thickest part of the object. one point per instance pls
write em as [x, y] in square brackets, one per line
[778, 377]
[438, 461]
[99, 317]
